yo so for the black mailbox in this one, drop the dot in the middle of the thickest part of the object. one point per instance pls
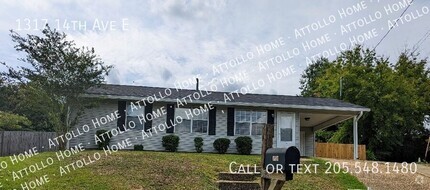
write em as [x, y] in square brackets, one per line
[282, 160]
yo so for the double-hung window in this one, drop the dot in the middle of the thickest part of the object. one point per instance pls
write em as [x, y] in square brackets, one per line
[133, 113]
[249, 122]
[193, 120]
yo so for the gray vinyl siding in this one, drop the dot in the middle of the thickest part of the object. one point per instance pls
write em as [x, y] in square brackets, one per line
[297, 115]
[186, 142]
[154, 142]
[309, 141]
[87, 139]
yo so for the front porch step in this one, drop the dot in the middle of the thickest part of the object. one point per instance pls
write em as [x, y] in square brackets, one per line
[238, 185]
[247, 169]
[237, 176]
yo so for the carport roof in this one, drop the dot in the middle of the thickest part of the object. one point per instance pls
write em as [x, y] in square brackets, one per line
[284, 101]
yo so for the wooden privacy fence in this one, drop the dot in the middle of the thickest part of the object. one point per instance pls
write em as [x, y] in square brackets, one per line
[15, 142]
[339, 151]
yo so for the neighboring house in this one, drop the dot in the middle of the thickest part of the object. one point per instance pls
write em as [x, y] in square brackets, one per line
[295, 118]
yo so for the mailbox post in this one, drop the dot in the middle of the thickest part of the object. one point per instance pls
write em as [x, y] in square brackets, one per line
[278, 164]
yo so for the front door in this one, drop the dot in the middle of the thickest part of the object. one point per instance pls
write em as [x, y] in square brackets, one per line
[285, 130]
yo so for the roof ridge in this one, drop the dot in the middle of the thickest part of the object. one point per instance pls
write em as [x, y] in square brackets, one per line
[182, 89]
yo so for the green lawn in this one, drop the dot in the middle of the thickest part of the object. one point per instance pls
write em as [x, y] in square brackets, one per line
[156, 170]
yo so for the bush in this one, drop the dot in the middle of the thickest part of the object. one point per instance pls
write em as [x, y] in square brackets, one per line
[370, 155]
[243, 145]
[138, 147]
[104, 138]
[221, 145]
[171, 142]
[198, 143]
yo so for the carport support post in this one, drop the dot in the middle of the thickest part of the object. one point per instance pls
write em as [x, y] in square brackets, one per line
[355, 134]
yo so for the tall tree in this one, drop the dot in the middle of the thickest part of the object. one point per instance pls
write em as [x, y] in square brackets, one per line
[61, 69]
[32, 102]
[37, 105]
[397, 94]
[6, 92]
[315, 70]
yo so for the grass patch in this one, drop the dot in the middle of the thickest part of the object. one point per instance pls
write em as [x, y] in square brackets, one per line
[156, 170]
[322, 179]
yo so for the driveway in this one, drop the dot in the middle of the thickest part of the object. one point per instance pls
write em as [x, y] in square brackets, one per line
[381, 179]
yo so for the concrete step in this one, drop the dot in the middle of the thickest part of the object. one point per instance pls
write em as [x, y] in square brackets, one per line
[237, 176]
[249, 168]
[238, 185]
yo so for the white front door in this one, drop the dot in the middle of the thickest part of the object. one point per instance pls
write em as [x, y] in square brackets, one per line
[285, 130]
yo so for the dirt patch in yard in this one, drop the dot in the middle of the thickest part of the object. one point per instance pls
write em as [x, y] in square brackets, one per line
[387, 178]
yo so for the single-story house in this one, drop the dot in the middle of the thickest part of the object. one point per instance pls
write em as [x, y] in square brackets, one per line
[230, 115]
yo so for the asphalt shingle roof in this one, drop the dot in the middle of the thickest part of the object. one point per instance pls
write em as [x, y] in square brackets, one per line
[145, 91]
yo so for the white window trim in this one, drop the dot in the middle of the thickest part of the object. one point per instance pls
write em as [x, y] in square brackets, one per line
[126, 117]
[191, 124]
[250, 123]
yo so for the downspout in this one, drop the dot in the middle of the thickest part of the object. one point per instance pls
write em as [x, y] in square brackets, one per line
[355, 134]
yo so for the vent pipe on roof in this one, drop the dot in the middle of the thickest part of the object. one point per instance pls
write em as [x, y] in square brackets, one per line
[197, 83]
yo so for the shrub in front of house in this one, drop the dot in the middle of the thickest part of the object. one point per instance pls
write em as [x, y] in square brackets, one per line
[243, 145]
[221, 145]
[104, 138]
[198, 143]
[171, 143]
[138, 147]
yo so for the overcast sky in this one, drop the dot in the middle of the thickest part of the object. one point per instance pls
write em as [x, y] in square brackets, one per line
[158, 43]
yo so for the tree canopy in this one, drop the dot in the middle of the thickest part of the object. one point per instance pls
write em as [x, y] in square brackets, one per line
[47, 88]
[56, 64]
[10, 121]
[397, 93]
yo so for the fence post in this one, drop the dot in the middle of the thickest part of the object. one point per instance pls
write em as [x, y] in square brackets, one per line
[267, 142]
